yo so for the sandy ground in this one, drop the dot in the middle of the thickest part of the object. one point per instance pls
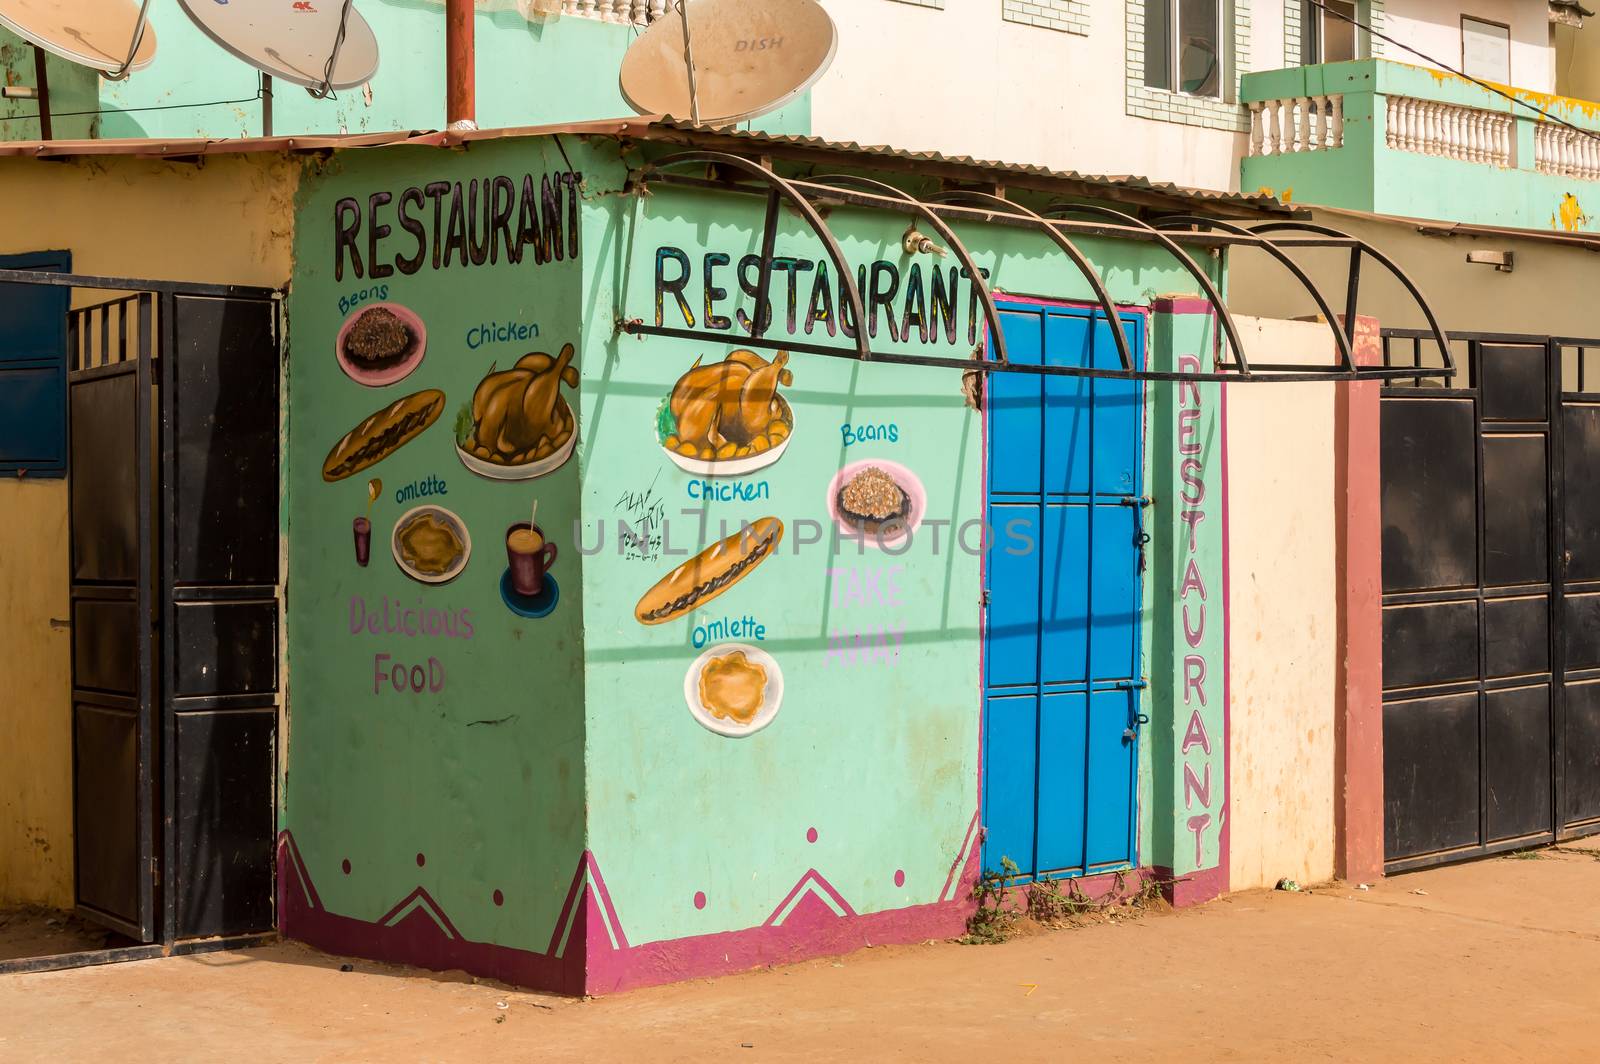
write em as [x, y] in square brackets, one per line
[1490, 961]
[35, 932]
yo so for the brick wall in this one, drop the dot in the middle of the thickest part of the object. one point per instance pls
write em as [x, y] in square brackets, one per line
[1145, 102]
[1370, 12]
[1068, 16]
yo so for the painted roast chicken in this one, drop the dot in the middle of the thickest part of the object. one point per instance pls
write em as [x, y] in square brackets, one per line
[519, 415]
[730, 409]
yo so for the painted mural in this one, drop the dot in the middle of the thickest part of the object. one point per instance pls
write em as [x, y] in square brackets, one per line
[668, 656]
[435, 795]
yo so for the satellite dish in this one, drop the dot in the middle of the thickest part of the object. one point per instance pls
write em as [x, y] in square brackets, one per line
[749, 57]
[290, 39]
[92, 33]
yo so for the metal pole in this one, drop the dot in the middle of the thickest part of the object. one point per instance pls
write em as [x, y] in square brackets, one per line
[41, 79]
[266, 104]
[461, 104]
[688, 57]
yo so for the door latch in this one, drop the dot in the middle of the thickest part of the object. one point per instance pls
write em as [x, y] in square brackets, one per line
[1135, 720]
[1141, 538]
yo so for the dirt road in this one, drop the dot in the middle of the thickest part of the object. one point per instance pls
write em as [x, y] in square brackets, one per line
[1496, 960]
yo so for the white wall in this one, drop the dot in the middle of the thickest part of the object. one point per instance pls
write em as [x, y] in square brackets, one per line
[962, 81]
[1434, 27]
[1282, 613]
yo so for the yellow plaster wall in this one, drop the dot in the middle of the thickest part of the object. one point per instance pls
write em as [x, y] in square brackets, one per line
[1281, 613]
[227, 220]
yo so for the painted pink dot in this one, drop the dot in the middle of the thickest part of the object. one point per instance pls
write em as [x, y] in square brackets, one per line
[811, 834]
[699, 899]
[499, 898]
[899, 877]
[346, 866]
[421, 860]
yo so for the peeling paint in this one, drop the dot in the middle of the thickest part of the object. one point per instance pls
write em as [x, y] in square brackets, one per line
[1570, 214]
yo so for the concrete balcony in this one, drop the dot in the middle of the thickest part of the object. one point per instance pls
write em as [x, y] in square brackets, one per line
[1396, 139]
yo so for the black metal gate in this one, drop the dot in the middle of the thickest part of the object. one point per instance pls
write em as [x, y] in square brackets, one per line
[174, 486]
[1491, 604]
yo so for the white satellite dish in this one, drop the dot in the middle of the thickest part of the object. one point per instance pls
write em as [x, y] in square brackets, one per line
[291, 39]
[735, 59]
[92, 33]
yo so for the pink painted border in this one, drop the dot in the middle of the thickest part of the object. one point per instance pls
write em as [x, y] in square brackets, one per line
[588, 963]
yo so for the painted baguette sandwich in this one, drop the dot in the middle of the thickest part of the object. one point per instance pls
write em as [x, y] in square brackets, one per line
[710, 573]
[385, 432]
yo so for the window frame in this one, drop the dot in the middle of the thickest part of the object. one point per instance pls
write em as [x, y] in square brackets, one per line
[1480, 20]
[1170, 81]
[50, 458]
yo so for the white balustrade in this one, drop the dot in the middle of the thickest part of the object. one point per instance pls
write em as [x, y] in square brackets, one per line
[1449, 131]
[626, 12]
[1297, 123]
[1566, 152]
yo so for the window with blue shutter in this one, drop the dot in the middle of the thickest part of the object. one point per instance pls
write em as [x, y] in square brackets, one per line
[33, 369]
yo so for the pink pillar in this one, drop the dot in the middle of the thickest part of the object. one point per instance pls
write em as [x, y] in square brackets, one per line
[1358, 754]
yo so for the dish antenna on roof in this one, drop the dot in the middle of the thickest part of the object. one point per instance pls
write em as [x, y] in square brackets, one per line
[320, 44]
[111, 36]
[723, 61]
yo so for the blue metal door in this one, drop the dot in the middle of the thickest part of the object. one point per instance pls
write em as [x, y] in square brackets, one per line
[1061, 658]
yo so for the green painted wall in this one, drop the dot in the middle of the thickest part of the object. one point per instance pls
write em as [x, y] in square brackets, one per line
[484, 775]
[529, 73]
[879, 757]
[1366, 174]
[72, 93]
[1188, 668]
[575, 732]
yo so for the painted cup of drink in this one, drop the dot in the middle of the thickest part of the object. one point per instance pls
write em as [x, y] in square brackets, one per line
[530, 556]
[363, 530]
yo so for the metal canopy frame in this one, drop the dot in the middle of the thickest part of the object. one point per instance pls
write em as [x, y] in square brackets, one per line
[810, 197]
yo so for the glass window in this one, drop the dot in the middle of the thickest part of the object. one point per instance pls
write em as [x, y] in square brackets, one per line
[1199, 47]
[1486, 49]
[1182, 46]
[1338, 36]
[1158, 44]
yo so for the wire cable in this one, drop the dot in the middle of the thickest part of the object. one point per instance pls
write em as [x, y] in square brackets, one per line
[325, 90]
[1488, 86]
[129, 110]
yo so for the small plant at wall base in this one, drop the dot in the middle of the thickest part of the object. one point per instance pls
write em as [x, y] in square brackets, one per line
[1052, 903]
[993, 920]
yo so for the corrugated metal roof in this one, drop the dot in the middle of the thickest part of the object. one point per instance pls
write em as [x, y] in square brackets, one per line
[665, 129]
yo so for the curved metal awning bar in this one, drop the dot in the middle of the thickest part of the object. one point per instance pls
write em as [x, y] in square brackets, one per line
[919, 208]
[1184, 259]
[1341, 339]
[788, 192]
[985, 207]
[1440, 337]
[1096, 283]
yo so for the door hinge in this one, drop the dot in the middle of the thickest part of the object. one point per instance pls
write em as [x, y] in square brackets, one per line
[983, 598]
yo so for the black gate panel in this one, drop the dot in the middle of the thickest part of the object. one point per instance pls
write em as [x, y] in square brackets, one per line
[1582, 763]
[1515, 521]
[1517, 762]
[1430, 801]
[106, 786]
[1428, 454]
[224, 811]
[1514, 380]
[221, 610]
[1430, 644]
[1516, 636]
[111, 496]
[1580, 442]
[1474, 628]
